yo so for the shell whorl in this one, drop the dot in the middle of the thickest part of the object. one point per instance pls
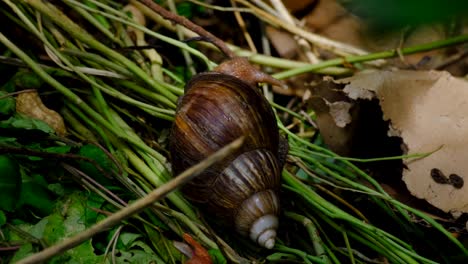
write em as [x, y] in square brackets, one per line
[257, 218]
[263, 230]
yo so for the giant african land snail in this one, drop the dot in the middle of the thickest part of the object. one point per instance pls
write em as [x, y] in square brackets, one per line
[218, 107]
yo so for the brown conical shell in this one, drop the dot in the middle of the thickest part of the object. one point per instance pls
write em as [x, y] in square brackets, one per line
[215, 110]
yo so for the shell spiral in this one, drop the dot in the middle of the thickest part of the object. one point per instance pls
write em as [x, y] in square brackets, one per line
[242, 190]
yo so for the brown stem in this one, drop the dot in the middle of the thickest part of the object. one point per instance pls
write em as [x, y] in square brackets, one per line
[207, 36]
[83, 176]
[16, 93]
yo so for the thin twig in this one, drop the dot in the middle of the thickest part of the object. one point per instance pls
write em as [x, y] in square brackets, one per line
[243, 26]
[190, 25]
[302, 43]
[16, 93]
[135, 207]
[221, 8]
[79, 174]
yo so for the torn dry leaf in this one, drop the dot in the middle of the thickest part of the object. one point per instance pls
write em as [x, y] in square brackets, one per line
[428, 110]
[334, 116]
[30, 104]
[283, 42]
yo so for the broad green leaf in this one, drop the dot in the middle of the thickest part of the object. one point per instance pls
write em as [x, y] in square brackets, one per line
[144, 254]
[185, 9]
[55, 230]
[34, 193]
[216, 256]
[66, 222]
[82, 254]
[102, 19]
[55, 149]
[96, 154]
[164, 247]
[36, 231]
[134, 256]
[59, 149]
[7, 105]
[127, 239]
[2, 218]
[27, 80]
[91, 216]
[8, 140]
[10, 183]
[24, 122]
[57, 189]
[74, 208]
[142, 245]
[24, 251]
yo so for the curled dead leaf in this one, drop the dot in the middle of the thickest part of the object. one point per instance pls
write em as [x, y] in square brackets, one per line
[30, 104]
[427, 110]
[335, 113]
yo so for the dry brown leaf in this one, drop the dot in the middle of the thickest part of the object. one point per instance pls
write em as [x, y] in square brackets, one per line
[334, 116]
[200, 254]
[283, 42]
[298, 5]
[30, 104]
[428, 111]
[331, 20]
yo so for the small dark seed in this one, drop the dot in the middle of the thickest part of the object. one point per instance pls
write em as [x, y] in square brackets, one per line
[456, 181]
[438, 176]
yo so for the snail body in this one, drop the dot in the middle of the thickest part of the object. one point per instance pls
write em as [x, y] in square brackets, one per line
[217, 108]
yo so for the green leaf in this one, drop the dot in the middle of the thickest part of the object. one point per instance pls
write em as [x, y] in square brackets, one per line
[216, 256]
[74, 208]
[56, 227]
[35, 194]
[55, 149]
[102, 19]
[185, 9]
[91, 216]
[57, 189]
[59, 149]
[136, 256]
[140, 253]
[27, 80]
[24, 251]
[24, 122]
[7, 104]
[164, 247]
[128, 239]
[9, 141]
[67, 222]
[2, 218]
[10, 183]
[99, 156]
[23, 79]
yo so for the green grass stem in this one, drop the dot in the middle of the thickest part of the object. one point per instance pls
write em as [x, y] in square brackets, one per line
[373, 56]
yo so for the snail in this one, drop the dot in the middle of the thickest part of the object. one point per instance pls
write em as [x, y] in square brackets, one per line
[218, 107]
